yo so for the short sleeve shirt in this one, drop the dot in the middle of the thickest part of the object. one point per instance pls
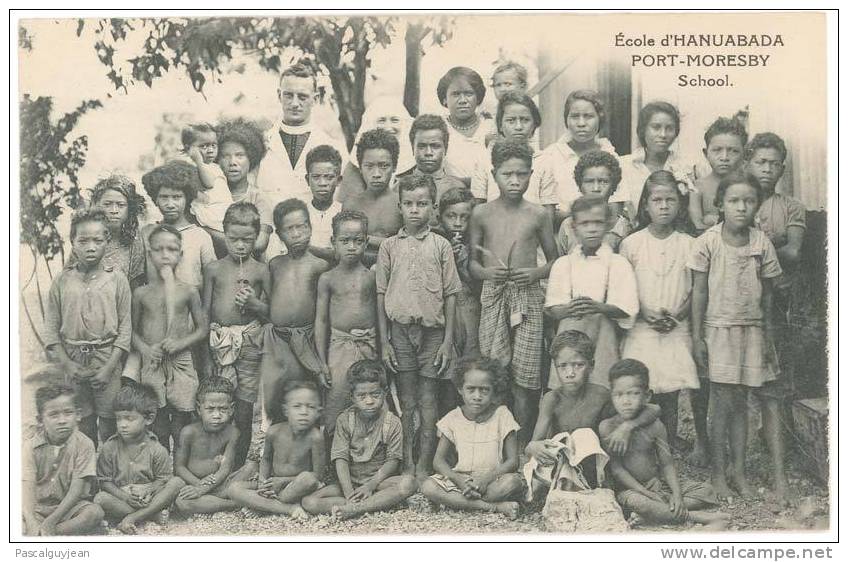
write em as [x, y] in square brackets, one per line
[367, 446]
[122, 466]
[322, 223]
[778, 213]
[479, 445]
[53, 467]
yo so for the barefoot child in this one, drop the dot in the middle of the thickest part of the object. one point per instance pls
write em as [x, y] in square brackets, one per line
[733, 266]
[206, 451]
[724, 146]
[505, 236]
[661, 337]
[294, 459]
[88, 326]
[289, 344]
[135, 471]
[367, 451]
[58, 469]
[417, 284]
[482, 435]
[346, 312]
[640, 471]
[168, 319]
[323, 174]
[592, 289]
[234, 290]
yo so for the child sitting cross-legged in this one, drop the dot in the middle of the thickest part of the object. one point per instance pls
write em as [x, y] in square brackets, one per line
[135, 471]
[482, 435]
[367, 451]
[639, 472]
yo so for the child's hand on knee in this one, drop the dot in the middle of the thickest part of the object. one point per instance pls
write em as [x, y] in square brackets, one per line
[678, 508]
[190, 492]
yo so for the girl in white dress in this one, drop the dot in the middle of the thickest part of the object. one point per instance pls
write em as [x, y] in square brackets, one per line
[658, 252]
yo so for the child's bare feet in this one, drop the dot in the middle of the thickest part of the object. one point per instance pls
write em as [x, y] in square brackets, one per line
[127, 526]
[698, 457]
[782, 495]
[510, 509]
[162, 517]
[721, 488]
[299, 513]
[342, 512]
[738, 481]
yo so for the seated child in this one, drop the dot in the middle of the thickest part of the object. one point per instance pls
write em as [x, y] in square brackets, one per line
[482, 435]
[367, 451]
[135, 472]
[234, 294]
[346, 311]
[294, 459]
[598, 175]
[88, 326]
[639, 472]
[289, 344]
[206, 451]
[168, 319]
[592, 289]
[323, 174]
[58, 469]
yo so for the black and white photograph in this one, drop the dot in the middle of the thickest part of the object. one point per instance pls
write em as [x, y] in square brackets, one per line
[422, 274]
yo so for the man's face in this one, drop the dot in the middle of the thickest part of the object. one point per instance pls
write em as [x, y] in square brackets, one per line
[428, 147]
[297, 95]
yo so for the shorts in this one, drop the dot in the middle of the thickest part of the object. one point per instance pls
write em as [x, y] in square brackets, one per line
[43, 511]
[94, 400]
[416, 347]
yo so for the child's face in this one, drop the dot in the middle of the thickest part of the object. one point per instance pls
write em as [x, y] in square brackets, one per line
[240, 239]
[583, 121]
[428, 147]
[131, 424]
[349, 242]
[660, 132]
[513, 177]
[323, 177]
[739, 205]
[596, 182]
[590, 226]
[377, 169]
[89, 243]
[572, 369]
[477, 391]
[297, 95]
[455, 217]
[724, 153]
[629, 396]
[59, 417]
[295, 231]
[390, 123]
[507, 81]
[215, 411]
[767, 166]
[368, 398]
[207, 143]
[663, 204]
[165, 250]
[234, 162]
[171, 203]
[517, 122]
[461, 100]
[114, 205]
[302, 408]
[416, 206]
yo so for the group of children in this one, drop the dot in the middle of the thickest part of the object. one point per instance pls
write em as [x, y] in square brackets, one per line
[415, 336]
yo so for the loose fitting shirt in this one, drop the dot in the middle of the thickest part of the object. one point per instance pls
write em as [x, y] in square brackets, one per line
[367, 445]
[479, 445]
[118, 464]
[53, 467]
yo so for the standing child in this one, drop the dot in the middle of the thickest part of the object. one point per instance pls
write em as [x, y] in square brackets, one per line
[367, 451]
[592, 289]
[206, 451]
[640, 471]
[733, 266]
[59, 469]
[724, 146]
[661, 337]
[234, 293]
[505, 236]
[346, 311]
[289, 343]
[135, 471]
[168, 319]
[88, 325]
[482, 435]
[294, 459]
[323, 174]
[417, 284]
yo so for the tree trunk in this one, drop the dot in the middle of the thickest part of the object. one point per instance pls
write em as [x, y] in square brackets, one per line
[412, 85]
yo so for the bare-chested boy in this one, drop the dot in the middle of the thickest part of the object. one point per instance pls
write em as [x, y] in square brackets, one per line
[289, 344]
[294, 459]
[640, 470]
[233, 291]
[505, 236]
[204, 457]
[168, 319]
[346, 312]
[377, 153]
